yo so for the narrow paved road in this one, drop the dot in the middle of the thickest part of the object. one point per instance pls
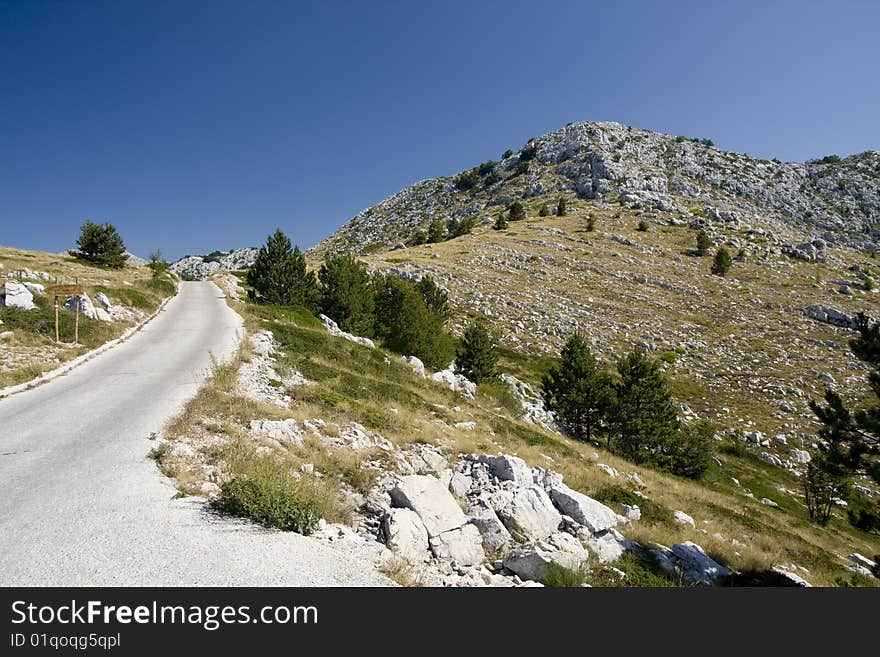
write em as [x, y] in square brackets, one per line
[81, 504]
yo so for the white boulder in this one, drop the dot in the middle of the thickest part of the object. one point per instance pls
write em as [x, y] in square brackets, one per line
[333, 329]
[417, 366]
[508, 468]
[102, 299]
[532, 560]
[86, 307]
[494, 534]
[406, 535]
[684, 519]
[528, 513]
[696, 566]
[286, 432]
[455, 382]
[432, 501]
[590, 513]
[18, 296]
[463, 546]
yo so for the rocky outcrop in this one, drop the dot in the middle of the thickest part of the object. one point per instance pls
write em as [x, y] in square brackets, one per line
[455, 382]
[195, 268]
[87, 308]
[532, 403]
[333, 329]
[830, 316]
[16, 295]
[532, 560]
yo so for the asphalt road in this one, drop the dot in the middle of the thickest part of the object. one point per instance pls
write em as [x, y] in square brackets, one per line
[81, 504]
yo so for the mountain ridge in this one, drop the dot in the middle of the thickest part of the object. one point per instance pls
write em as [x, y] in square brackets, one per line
[609, 162]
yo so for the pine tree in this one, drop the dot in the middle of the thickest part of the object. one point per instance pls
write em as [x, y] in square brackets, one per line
[281, 276]
[849, 443]
[347, 294]
[436, 232]
[516, 211]
[101, 245]
[407, 325]
[544, 211]
[721, 263]
[644, 421]
[703, 242]
[500, 223]
[157, 264]
[477, 356]
[577, 390]
[436, 298]
[561, 207]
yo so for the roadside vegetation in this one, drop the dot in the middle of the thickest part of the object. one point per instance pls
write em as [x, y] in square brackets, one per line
[30, 350]
[377, 389]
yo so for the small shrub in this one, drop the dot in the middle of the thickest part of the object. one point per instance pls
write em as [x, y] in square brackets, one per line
[721, 263]
[516, 211]
[558, 576]
[467, 180]
[669, 357]
[561, 207]
[273, 496]
[436, 231]
[643, 226]
[703, 242]
[528, 153]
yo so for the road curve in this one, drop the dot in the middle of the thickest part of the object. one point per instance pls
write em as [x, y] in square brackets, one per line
[81, 504]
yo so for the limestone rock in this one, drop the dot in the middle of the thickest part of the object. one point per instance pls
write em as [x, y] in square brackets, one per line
[590, 513]
[433, 503]
[508, 468]
[494, 534]
[696, 566]
[406, 535]
[86, 307]
[333, 329]
[18, 296]
[532, 560]
[528, 513]
[463, 546]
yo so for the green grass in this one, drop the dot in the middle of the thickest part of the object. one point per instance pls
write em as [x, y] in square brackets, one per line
[557, 576]
[638, 571]
[268, 493]
[652, 512]
[40, 324]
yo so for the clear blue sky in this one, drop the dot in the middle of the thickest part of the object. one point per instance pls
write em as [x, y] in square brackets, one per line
[195, 126]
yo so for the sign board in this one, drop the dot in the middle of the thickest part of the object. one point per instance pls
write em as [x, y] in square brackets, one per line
[69, 290]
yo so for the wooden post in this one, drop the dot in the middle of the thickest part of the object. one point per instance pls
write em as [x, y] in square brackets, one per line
[56, 318]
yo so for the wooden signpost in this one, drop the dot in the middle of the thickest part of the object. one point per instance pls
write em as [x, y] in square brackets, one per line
[67, 290]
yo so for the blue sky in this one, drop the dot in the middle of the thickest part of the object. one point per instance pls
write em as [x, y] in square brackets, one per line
[195, 126]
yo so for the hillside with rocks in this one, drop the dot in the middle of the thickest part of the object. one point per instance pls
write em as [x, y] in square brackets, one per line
[747, 351]
[778, 205]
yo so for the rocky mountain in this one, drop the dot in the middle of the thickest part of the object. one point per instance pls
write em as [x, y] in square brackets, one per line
[837, 200]
[747, 351]
[196, 268]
